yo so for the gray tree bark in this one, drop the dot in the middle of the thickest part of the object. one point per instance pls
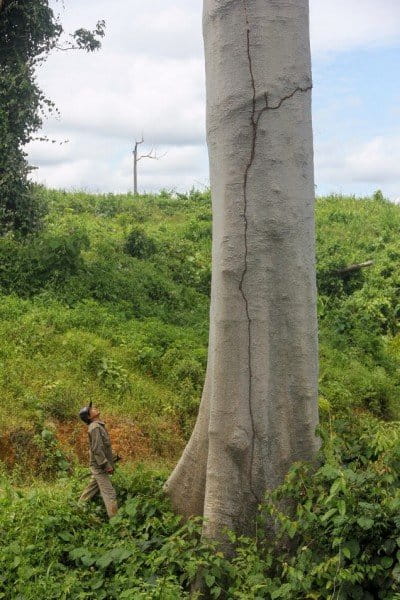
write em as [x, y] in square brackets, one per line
[135, 162]
[258, 411]
[135, 188]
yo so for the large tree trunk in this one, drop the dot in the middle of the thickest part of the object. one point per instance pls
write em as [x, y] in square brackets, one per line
[259, 407]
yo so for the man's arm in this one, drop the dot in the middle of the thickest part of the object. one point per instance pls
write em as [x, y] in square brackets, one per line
[96, 442]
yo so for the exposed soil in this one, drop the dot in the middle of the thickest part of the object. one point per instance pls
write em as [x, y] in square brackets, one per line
[7, 451]
[19, 447]
[127, 439]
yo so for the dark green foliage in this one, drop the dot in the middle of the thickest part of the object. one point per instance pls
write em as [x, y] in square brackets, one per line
[83, 39]
[138, 244]
[28, 32]
[27, 265]
[346, 522]
[339, 541]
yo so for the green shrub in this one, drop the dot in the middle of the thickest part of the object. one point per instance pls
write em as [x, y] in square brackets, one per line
[197, 230]
[22, 205]
[345, 525]
[28, 265]
[113, 375]
[138, 555]
[139, 244]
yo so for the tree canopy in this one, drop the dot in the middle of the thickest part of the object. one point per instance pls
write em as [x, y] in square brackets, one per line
[29, 31]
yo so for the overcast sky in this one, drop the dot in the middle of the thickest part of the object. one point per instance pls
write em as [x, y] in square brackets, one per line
[149, 78]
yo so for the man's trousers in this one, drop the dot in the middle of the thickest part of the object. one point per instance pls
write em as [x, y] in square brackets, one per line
[100, 482]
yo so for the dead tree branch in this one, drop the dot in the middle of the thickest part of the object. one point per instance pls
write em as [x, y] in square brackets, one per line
[353, 268]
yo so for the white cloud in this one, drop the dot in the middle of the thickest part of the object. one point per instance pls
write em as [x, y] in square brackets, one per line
[149, 77]
[374, 163]
[118, 95]
[376, 160]
[342, 25]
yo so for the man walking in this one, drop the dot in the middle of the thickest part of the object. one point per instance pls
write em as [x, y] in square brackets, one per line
[101, 460]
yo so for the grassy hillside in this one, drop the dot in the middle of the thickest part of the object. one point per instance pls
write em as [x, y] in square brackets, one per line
[110, 303]
[359, 314]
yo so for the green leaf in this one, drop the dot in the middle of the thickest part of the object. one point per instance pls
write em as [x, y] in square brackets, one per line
[282, 592]
[329, 471]
[342, 507]
[328, 514]
[336, 485]
[292, 528]
[88, 560]
[209, 579]
[16, 562]
[389, 546]
[97, 583]
[365, 523]
[77, 553]
[350, 549]
[346, 552]
[104, 561]
[120, 554]
[386, 562]
[15, 548]
[396, 572]
[131, 509]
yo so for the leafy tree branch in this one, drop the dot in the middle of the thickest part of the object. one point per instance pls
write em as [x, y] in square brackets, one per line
[29, 31]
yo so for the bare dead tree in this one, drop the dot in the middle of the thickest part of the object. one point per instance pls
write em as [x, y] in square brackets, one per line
[137, 157]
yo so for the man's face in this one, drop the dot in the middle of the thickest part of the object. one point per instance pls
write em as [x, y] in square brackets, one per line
[94, 412]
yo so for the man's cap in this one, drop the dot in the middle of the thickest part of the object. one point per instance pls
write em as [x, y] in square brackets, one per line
[84, 414]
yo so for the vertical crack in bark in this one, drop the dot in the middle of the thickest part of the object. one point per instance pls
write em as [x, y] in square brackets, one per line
[254, 124]
[255, 119]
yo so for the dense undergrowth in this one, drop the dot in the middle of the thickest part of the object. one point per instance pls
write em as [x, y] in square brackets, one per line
[343, 535]
[110, 303]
